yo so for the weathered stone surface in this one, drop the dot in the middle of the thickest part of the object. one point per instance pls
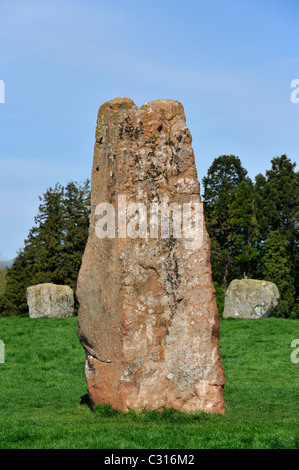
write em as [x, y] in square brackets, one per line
[251, 299]
[50, 300]
[148, 318]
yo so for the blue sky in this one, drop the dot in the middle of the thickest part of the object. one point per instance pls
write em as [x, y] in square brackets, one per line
[230, 63]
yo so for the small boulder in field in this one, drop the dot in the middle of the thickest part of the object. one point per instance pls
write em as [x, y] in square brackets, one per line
[50, 300]
[251, 299]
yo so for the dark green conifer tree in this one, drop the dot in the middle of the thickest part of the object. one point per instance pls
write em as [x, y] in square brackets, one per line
[277, 209]
[54, 247]
[220, 186]
[277, 269]
[244, 229]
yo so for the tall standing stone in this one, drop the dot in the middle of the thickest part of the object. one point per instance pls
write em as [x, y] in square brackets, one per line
[148, 318]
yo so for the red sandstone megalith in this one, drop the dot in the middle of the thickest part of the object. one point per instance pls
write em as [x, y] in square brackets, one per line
[148, 318]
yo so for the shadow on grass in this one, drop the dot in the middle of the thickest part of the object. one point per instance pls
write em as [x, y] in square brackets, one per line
[84, 400]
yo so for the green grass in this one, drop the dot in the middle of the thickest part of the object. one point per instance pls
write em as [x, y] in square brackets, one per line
[42, 382]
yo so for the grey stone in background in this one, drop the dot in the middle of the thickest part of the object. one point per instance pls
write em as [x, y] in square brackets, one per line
[251, 299]
[50, 300]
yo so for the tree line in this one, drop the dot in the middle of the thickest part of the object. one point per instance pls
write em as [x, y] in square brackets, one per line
[54, 247]
[253, 227]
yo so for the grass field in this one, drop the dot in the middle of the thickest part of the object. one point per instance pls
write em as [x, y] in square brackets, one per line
[42, 382]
